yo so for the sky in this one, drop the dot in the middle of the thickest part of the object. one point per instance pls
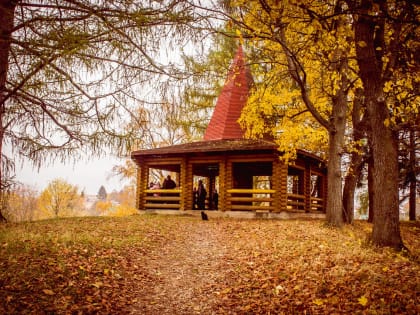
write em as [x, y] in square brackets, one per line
[87, 175]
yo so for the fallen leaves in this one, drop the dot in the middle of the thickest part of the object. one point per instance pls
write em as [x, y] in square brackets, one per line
[146, 264]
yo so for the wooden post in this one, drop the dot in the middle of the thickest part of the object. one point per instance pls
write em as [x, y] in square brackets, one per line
[280, 185]
[307, 186]
[183, 185]
[276, 184]
[188, 186]
[142, 177]
[228, 183]
[138, 185]
[222, 185]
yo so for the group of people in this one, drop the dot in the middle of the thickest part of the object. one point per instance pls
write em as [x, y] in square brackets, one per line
[168, 183]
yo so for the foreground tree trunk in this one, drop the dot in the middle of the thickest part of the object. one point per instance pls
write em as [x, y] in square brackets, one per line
[7, 9]
[369, 35]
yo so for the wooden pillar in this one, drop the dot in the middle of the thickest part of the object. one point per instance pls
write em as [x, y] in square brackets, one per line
[138, 185]
[183, 185]
[188, 190]
[280, 185]
[222, 185]
[142, 185]
[228, 184]
[307, 186]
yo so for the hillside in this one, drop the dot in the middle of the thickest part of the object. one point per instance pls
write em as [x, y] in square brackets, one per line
[156, 264]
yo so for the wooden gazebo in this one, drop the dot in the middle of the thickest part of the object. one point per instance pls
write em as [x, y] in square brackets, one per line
[247, 174]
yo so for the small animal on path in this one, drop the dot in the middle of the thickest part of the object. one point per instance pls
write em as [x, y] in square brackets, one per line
[204, 216]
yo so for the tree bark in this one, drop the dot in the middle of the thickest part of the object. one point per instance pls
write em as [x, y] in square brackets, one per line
[368, 34]
[7, 10]
[350, 184]
[357, 160]
[334, 213]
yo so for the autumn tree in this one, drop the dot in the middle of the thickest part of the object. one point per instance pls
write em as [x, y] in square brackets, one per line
[377, 40]
[386, 41]
[60, 199]
[22, 203]
[309, 66]
[70, 72]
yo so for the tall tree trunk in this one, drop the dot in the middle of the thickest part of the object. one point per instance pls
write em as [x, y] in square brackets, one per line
[7, 10]
[356, 160]
[334, 211]
[386, 228]
[413, 180]
[350, 183]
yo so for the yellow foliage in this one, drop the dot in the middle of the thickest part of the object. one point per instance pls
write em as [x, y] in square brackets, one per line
[21, 204]
[103, 207]
[60, 199]
[276, 105]
[124, 210]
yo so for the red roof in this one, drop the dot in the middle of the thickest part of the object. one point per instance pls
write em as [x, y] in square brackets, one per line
[233, 97]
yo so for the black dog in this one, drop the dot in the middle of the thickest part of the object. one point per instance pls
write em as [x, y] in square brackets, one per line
[204, 216]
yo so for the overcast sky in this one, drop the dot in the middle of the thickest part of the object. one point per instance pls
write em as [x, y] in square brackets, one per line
[87, 175]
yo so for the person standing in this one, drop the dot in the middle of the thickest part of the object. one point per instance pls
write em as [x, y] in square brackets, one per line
[201, 195]
[215, 200]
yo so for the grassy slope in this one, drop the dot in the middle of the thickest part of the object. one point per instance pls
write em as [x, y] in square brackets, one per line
[94, 265]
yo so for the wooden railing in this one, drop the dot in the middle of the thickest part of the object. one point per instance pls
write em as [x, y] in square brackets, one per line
[251, 199]
[295, 202]
[317, 204]
[162, 199]
[239, 199]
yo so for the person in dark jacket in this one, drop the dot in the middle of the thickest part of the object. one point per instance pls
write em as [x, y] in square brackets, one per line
[168, 183]
[201, 195]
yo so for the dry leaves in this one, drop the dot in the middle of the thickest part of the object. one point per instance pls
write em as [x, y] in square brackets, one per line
[182, 265]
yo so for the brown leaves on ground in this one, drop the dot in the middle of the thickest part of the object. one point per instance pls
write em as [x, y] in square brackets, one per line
[182, 265]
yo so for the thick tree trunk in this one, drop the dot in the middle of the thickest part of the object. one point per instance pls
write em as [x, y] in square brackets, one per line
[334, 212]
[7, 9]
[334, 197]
[386, 228]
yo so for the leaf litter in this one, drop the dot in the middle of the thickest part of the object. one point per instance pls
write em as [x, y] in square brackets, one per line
[182, 265]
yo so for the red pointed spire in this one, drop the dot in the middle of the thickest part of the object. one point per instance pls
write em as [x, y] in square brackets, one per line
[233, 97]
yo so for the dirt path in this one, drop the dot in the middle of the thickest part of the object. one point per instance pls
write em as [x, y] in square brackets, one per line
[184, 274]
